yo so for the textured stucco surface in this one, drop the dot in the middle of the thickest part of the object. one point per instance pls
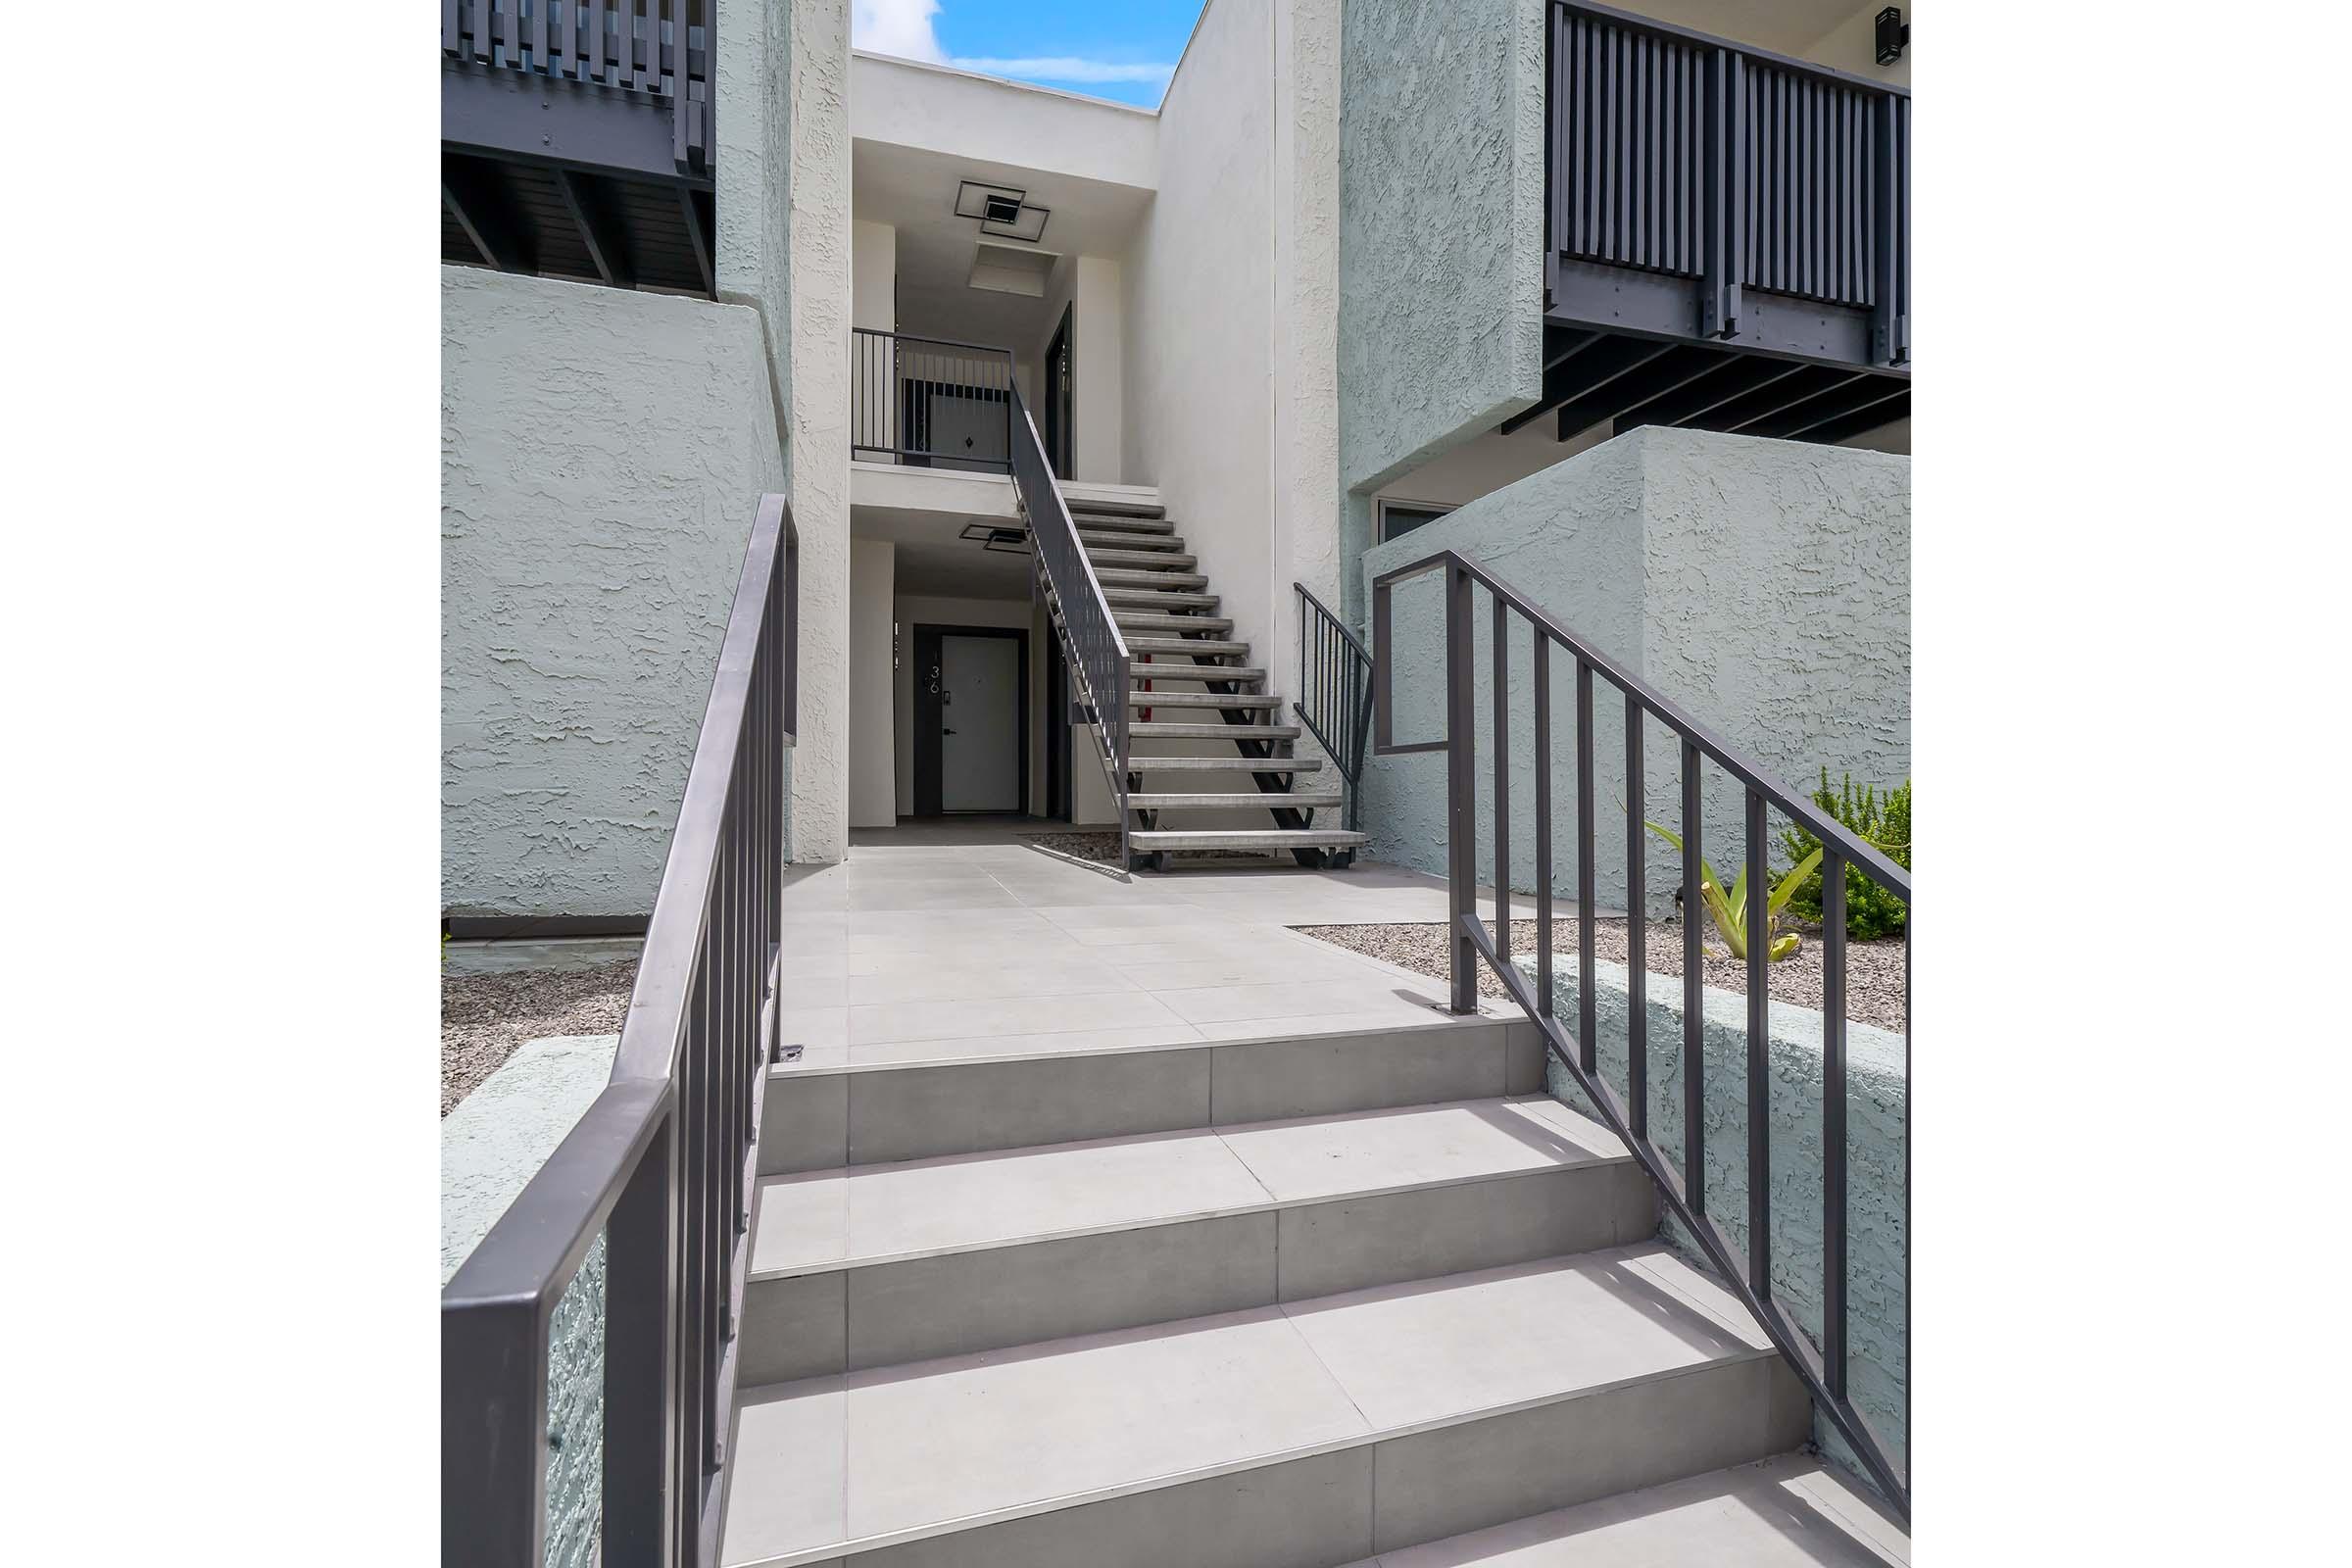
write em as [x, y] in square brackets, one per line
[1878, 1110]
[1763, 585]
[603, 456]
[1441, 181]
[491, 1147]
[817, 414]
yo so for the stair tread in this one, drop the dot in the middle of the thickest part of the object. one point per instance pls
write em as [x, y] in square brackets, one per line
[1788, 1511]
[1224, 765]
[843, 1465]
[1253, 838]
[859, 1215]
[1200, 700]
[1196, 674]
[1144, 620]
[1125, 577]
[1119, 523]
[1211, 730]
[1223, 800]
[1212, 646]
[1140, 560]
[1124, 539]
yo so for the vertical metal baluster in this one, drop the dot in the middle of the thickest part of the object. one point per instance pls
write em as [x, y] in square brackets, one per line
[1503, 780]
[1540, 646]
[1694, 1026]
[1759, 1060]
[1587, 1013]
[1637, 1019]
[1461, 828]
[1833, 1120]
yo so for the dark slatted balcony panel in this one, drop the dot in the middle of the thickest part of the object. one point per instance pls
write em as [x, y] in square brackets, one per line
[1628, 188]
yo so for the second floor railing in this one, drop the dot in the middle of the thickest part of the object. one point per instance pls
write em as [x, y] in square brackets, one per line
[1335, 689]
[1101, 668]
[1748, 1266]
[658, 47]
[1674, 152]
[659, 1171]
[930, 401]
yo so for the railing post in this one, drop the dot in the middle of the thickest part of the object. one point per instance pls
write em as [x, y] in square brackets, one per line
[493, 1435]
[1725, 158]
[1461, 800]
[641, 1428]
[1889, 328]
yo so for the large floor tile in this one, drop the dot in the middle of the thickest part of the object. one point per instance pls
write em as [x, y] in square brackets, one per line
[1789, 1511]
[924, 977]
[927, 1443]
[929, 1205]
[1268, 963]
[1408, 1353]
[1322, 1155]
[789, 1459]
[1037, 1015]
[1374, 993]
[1130, 1037]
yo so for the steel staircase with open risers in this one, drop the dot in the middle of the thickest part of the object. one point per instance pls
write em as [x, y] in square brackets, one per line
[1291, 1301]
[1194, 691]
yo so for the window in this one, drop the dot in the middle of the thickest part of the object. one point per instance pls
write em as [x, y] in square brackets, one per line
[1397, 518]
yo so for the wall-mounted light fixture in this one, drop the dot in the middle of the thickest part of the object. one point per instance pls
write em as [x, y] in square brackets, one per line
[1894, 33]
[1002, 210]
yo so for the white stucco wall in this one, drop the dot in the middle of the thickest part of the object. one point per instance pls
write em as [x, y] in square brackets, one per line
[1763, 585]
[873, 688]
[817, 415]
[986, 119]
[874, 275]
[603, 456]
[1199, 398]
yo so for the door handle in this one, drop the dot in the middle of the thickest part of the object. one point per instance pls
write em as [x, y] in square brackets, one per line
[945, 731]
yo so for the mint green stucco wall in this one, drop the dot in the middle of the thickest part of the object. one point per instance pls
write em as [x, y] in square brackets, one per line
[1763, 585]
[1441, 232]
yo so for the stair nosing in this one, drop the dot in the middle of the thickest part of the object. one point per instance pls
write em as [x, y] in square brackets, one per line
[1441, 1020]
[1272, 1205]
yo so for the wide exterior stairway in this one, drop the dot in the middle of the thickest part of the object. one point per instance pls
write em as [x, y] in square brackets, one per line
[1288, 1302]
[1206, 734]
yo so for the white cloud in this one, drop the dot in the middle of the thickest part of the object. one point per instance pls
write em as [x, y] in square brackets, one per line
[1064, 67]
[904, 27]
[901, 27]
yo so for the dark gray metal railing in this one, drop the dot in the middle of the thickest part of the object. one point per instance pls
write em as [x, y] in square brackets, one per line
[1824, 1369]
[661, 1164]
[658, 47]
[1335, 689]
[930, 400]
[1680, 153]
[1091, 643]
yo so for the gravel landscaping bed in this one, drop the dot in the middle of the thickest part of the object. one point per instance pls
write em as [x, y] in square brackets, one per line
[1101, 847]
[1874, 970]
[486, 1018]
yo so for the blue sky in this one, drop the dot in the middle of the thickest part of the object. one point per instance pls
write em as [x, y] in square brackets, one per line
[1122, 49]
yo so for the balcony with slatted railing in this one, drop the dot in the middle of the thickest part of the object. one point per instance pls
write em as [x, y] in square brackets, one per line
[1727, 236]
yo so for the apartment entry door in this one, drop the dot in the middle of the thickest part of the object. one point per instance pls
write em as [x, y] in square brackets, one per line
[971, 719]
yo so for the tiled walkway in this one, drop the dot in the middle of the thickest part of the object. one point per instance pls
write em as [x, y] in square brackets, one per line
[919, 950]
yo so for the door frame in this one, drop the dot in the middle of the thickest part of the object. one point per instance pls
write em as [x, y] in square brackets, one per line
[1061, 395]
[928, 711]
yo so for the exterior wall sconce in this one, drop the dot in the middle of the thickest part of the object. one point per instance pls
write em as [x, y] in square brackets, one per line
[1894, 35]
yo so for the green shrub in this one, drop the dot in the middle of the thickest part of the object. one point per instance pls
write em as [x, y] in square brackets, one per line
[1882, 821]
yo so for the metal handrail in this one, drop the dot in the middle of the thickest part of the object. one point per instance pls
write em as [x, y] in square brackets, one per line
[1824, 1371]
[1091, 640]
[1335, 689]
[661, 1164]
[885, 422]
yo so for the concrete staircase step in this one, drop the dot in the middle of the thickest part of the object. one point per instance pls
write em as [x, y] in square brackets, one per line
[1267, 838]
[1144, 699]
[1178, 729]
[1127, 577]
[1138, 512]
[1144, 559]
[1161, 672]
[1224, 765]
[1788, 1511]
[848, 1266]
[1160, 599]
[1195, 646]
[1147, 620]
[1124, 539]
[825, 1114]
[1119, 522]
[1251, 1438]
[1204, 800]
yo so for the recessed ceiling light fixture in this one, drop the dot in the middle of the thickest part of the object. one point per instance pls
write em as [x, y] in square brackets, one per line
[1002, 210]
